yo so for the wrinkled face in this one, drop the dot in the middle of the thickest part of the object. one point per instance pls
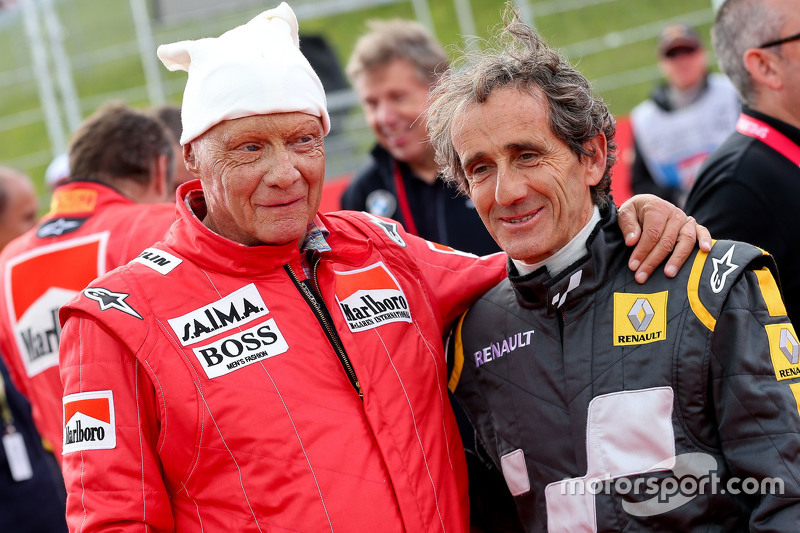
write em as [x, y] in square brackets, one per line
[684, 67]
[21, 213]
[530, 189]
[393, 97]
[262, 176]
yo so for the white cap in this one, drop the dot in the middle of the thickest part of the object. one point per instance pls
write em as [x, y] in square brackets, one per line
[254, 69]
[57, 171]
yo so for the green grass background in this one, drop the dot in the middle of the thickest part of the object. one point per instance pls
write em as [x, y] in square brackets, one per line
[100, 38]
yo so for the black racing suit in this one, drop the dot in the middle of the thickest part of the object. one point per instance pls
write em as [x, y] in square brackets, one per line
[590, 376]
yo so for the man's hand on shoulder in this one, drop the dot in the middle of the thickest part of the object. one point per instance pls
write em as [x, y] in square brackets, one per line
[657, 229]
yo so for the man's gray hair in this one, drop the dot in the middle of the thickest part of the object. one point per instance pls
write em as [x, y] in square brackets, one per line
[388, 40]
[518, 58]
[739, 25]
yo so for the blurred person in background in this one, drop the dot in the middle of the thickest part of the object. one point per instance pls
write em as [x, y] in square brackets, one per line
[392, 69]
[120, 160]
[688, 115]
[31, 490]
[19, 205]
[170, 115]
[749, 189]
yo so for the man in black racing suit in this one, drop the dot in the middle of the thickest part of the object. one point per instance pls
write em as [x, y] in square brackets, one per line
[605, 404]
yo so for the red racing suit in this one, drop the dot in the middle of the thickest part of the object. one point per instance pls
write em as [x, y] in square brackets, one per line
[90, 229]
[218, 387]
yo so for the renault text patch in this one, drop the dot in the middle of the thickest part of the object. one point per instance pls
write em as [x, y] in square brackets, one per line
[234, 310]
[241, 349]
[158, 260]
[89, 422]
[639, 318]
[784, 350]
[498, 349]
[370, 297]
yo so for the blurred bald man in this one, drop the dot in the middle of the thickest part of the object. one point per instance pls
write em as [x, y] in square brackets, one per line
[19, 205]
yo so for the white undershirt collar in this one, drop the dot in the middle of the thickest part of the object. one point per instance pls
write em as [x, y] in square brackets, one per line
[565, 256]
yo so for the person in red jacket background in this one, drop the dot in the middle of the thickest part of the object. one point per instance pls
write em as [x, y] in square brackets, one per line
[112, 208]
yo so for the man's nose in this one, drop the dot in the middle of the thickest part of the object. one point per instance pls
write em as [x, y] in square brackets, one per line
[510, 186]
[282, 171]
[387, 114]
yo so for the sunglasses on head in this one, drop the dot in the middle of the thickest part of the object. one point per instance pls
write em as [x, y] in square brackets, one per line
[776, 42]
[680, 51]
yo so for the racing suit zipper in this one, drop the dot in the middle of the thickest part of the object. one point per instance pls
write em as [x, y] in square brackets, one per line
[317, 305]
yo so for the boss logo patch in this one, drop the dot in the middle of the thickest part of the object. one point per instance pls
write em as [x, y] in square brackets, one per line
[242, 349]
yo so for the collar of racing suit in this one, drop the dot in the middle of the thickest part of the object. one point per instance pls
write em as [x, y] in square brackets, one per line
[212, 252]
[538, 289]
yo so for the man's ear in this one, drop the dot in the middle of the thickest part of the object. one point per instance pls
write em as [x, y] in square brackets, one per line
[595, 162]
[190, 159]
[764, 67]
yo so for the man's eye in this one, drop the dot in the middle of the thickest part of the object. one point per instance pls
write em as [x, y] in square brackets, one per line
[480, 170]
[251, 147]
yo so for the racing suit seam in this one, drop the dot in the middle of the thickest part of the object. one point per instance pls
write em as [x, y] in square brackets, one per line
[419, 441]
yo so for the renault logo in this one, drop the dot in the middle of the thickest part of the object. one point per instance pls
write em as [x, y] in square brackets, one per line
[789, 346]
[641, 314]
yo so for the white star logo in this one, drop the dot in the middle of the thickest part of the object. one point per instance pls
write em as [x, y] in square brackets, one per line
[717, 281]
[111, 300]
[58, 227]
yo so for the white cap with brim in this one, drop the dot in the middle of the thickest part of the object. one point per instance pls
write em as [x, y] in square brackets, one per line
[254, 69]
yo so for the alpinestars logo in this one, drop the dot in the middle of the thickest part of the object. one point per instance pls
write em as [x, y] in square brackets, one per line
[111, 300]
[59, 226]
[371, 297]
[239, 307]
[89, 422]
[390, 229]
[723, 267]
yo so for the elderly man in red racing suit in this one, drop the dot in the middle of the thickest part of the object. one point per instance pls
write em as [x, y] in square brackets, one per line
[265, 367]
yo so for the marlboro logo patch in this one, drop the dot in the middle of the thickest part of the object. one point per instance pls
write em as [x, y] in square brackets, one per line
[371, 297]
[89, 422]
[35, 291]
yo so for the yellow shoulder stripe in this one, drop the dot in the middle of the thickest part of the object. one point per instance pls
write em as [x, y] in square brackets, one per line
[795, 388]
[770, 292]
[693, 289]
[458, 356]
